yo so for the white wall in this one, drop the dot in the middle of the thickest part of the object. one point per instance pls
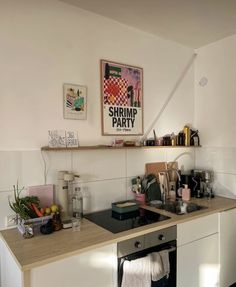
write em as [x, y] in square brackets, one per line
[47, 43]
[215, 113]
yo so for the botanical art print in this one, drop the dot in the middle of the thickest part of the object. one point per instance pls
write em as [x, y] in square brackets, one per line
[122, 99]
[75, 102]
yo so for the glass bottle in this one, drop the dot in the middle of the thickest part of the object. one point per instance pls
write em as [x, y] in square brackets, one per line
[77, 203]
[172, 193]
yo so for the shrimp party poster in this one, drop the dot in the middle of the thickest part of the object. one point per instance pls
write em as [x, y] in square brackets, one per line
[122, 99]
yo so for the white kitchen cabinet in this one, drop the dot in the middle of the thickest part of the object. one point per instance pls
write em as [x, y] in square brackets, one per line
[197, 253]
[10, 276]
[227, 227]
[93, 268]
[97, 267]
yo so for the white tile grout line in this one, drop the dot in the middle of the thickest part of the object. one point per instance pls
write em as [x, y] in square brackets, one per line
[108, 179]
[6, 191]
[224, 172]
[217, 147]
[89, 181]
[71, 161]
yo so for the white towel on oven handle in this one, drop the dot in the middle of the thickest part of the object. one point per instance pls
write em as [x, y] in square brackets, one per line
[137, 273]
[160, 265]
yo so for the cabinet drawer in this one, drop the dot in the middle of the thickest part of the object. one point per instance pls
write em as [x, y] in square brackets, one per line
[196, 229]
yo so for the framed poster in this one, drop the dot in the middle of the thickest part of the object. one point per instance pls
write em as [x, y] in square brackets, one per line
[75, 102]
[122, 99]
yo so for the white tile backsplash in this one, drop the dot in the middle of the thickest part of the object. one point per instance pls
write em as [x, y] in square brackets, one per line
[99, 195]
[5, 210]
[24, 166]
[136, 159]
[101, 164]
[222, 160]
[105, 174]
[32, 168]
[56, 161]
[184, 157]
[225, 184]
[205, 158]
[129, 193]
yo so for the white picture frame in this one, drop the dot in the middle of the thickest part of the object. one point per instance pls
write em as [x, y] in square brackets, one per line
[72, 139]
[75, 102]
[57, 138]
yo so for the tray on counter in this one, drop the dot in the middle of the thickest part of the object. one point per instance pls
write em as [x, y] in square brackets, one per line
[125, 206]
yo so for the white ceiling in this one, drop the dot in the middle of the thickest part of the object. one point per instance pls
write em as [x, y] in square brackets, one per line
[193, 23]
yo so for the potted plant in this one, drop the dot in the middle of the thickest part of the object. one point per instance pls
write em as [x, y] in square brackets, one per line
[26, 209]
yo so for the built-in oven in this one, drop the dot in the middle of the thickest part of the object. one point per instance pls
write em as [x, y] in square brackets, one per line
[142, 246]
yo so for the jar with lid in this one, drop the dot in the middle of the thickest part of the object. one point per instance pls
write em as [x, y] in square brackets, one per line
[77, 203]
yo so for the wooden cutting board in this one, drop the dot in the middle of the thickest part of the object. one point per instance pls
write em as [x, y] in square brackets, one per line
[155, 168]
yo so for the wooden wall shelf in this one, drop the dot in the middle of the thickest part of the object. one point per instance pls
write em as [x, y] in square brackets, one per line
[100, 147]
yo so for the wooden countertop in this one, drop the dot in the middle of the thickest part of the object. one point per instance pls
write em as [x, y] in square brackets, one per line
[43, 249]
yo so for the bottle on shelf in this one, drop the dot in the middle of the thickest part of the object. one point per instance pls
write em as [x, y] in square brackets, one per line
[173, 139]
[180, 139]
[187, 135]
[194, 138]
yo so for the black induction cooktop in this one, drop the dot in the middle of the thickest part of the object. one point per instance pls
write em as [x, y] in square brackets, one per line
[118, 222]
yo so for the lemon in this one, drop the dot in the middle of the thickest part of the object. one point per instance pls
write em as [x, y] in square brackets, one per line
[54, 208]
[48, 210]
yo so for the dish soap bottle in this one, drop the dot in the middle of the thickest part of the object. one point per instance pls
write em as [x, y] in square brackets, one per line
[77, 203]
[172, 193]
[186, 193]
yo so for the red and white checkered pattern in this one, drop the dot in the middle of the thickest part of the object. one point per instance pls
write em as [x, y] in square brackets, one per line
[115, 91]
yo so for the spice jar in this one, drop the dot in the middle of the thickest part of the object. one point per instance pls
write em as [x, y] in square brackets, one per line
[56, 221]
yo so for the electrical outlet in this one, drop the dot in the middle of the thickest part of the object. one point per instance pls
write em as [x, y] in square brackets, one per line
[10, 220]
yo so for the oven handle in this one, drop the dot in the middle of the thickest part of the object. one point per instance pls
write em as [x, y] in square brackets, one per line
[171, 249]
[130, 257]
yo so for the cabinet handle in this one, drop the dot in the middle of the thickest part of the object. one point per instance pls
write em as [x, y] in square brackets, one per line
[138, 244]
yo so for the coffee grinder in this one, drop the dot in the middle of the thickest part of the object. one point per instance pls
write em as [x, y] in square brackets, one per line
[203, 180]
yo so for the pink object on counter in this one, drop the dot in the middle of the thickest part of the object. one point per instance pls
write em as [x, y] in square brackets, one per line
[140, 197]
[186, 193]
[45, 193]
